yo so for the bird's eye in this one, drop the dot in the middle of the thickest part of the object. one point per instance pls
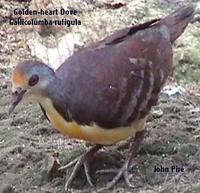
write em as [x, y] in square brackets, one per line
[33, 80]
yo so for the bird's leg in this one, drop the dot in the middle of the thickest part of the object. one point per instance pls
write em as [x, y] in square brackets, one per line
[123, 171]
[83, 160]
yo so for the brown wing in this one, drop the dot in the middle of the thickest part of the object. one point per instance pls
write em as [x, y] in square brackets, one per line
[114, 84]
[118, 79]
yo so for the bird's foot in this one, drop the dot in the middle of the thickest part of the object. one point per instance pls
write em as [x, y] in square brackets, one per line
[124, 171]
[120, 173]
[83, 160]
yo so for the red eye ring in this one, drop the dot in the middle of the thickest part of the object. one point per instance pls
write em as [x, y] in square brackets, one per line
[33, 80]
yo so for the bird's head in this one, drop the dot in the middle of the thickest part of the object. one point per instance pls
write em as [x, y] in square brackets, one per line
[30, 78]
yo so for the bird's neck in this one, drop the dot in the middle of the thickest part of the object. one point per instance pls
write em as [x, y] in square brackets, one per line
[56, 93]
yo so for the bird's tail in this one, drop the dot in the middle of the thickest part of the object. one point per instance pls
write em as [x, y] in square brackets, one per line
[178, 21]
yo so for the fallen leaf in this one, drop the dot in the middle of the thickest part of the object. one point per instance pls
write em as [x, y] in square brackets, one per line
[54, 57]
[114, 4]
[52, 164]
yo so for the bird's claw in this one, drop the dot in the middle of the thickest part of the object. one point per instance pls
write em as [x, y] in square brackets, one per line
[78, 162]
[123, 172]
[83, 160]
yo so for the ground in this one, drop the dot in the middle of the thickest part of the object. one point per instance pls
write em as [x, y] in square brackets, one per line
[28, 142]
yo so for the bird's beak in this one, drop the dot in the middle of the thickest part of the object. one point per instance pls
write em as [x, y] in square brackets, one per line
[17, 95]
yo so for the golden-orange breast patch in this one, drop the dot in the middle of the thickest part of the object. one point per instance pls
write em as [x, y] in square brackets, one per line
[91, 133]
